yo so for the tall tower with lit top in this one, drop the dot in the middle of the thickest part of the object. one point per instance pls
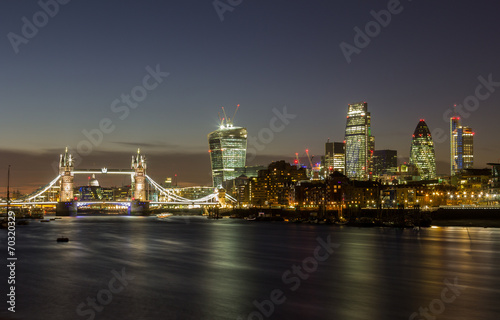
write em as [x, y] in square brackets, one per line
[139, 177]
[461, 146]
[227, 147]
[359, 142]
[66, 167]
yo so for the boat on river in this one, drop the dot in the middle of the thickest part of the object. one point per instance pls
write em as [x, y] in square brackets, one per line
[163, 215]
[62, 239]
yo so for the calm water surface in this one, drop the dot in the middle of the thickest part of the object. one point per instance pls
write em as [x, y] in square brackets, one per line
[195, 268]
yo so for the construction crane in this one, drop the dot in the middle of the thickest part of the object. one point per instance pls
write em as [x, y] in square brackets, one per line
[297, 161]
[314, 173]
[309, 158]
[229, 121]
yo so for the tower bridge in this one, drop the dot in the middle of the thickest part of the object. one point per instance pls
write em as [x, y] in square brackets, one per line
[60, 191]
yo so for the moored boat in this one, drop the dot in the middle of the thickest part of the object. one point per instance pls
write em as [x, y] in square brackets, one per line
[62, 239]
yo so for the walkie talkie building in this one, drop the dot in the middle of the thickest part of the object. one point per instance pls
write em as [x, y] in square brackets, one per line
[228, 149]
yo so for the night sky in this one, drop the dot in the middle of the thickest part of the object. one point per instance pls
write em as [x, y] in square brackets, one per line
[264, 55]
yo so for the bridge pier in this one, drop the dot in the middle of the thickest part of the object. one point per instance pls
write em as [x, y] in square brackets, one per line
[66, 208]
[139, 208]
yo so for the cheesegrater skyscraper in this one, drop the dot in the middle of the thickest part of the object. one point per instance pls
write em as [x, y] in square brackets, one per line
[359, 142]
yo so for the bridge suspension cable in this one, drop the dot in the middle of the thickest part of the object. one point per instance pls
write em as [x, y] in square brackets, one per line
[165, 191]
[178, 198]
[231, 198]
[38, 193]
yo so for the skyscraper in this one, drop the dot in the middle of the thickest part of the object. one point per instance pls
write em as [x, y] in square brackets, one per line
[359, 142]
[422, 154]
[335, 157]
[384, 161]
[461, 146]
[228, 148]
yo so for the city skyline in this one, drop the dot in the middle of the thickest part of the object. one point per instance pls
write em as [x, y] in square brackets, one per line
[63, 82]
[227, 131]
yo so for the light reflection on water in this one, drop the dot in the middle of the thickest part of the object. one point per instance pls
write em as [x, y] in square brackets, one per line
[195, 268]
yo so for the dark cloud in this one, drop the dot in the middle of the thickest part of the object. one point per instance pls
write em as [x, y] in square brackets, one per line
[149, 145]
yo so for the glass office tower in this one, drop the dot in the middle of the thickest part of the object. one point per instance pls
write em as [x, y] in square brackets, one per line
[461, 146]
[359, 142]
[228, 147]
[384, 161]
[335, 157]
[422, 154]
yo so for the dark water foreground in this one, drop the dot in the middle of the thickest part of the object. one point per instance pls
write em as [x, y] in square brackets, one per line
[196, 268]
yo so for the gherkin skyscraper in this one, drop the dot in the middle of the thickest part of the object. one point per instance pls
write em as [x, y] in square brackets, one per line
[422, 154]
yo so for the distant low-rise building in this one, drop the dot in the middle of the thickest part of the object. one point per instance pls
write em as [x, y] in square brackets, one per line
[275, 185]
[493, 195]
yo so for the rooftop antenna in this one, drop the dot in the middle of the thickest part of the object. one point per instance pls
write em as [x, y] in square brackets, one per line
[455, 114]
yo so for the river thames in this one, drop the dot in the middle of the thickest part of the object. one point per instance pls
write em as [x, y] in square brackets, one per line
[117, 267]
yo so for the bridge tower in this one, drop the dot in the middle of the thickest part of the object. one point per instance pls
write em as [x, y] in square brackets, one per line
[139, 178]
[66, 171]
[66, 206]
[139, 204]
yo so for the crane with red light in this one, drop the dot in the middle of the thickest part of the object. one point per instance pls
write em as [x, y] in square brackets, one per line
[314, 172]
